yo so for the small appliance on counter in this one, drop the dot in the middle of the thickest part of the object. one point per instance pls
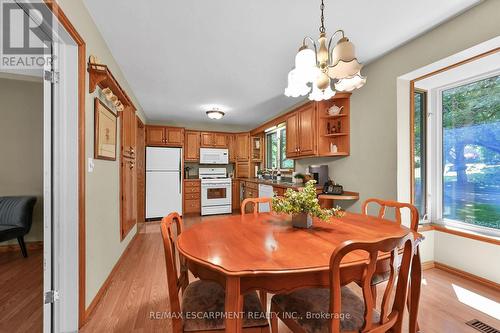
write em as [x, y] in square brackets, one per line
[319, 173]
[332, 188]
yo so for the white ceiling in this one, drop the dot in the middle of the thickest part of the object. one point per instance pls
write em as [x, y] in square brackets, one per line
[181, 57]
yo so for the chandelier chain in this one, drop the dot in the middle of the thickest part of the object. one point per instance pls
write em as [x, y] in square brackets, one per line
[322, 8]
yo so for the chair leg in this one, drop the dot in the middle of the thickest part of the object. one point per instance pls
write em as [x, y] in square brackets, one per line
[374, 294]
[22, 245]
[263, 299]
[274, 319]
[408, 305]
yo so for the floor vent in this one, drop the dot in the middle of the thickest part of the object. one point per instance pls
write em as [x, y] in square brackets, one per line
[482, 327]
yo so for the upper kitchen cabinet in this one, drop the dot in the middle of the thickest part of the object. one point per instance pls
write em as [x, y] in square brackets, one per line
[164, 136]
[257, 148]
[214, 140]
[301, 136]
[192, 146]
[231, 139]
[242, 146]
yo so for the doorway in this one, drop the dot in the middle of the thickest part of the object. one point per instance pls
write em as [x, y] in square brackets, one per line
[39, 119]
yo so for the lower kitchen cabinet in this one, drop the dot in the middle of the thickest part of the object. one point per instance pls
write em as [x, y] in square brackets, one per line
[235, 194]
[192, 196]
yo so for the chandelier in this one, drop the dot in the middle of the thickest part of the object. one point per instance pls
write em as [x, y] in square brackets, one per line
[316, 70]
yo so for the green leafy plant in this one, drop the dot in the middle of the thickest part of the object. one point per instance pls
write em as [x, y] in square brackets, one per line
[304, 201]
[299, 176]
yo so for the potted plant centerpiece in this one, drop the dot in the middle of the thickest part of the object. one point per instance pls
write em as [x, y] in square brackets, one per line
[303, 205]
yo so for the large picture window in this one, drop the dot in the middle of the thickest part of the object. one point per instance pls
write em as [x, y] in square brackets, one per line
[276, 149]
[470, 124]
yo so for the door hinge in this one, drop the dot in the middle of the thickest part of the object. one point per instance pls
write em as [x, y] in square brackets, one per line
[51, 76]
[51, 296]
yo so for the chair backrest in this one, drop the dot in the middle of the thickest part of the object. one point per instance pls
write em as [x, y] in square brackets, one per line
[17, 211]
[177, 273]
[390, 319]
[398, 206]
[256, 202]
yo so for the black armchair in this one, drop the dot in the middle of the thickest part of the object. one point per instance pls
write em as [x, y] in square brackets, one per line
[15, 219]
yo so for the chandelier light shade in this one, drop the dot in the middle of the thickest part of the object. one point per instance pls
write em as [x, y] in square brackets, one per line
[215, 114]
[317, 70]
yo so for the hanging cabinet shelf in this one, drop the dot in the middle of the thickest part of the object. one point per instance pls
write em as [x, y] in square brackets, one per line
[100, 75]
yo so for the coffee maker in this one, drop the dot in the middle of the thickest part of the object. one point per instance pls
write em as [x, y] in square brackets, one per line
[319, 173]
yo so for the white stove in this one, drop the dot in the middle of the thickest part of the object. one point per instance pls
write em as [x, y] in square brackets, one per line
[215, 191]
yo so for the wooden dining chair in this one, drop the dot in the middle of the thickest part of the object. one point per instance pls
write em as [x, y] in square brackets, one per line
[382, 211]
[256, 202]
[200, 297]
[340, 309]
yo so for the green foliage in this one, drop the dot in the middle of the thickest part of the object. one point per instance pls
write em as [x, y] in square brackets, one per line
[482, 214]
[472, 104]
[304, 201]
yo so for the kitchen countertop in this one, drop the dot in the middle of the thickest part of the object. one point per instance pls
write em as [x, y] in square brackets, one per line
[275, 183]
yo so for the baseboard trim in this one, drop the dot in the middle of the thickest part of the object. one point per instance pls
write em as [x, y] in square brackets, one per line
[30, 246]
[428, 265]
[102, 291]
[458, 272]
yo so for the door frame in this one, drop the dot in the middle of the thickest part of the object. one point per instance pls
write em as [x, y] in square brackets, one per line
[80, 42]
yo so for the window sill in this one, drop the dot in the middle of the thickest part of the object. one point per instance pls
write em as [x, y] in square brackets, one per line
[458, 232]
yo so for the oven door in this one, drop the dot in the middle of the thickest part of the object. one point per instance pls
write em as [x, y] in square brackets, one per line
[215, 194]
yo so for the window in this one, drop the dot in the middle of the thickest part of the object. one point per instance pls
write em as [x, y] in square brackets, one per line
[470, 177]
[419, 156]
[276, 148]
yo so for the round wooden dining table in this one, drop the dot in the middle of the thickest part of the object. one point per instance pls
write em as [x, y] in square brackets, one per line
[264, 252]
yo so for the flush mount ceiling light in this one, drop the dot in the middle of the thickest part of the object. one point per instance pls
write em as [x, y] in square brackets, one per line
[317, 69]
[215, 114]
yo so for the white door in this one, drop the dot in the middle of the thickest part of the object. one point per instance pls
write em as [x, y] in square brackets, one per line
[164, 159]
[163, 193]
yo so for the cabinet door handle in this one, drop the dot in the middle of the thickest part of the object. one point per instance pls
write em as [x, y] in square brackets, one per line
[132, 164]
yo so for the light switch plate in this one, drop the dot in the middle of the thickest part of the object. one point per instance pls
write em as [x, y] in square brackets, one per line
[91, 164]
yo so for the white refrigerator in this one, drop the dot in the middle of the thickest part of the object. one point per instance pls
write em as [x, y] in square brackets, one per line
[163, 181]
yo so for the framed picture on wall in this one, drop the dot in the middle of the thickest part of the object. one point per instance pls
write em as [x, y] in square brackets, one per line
[104, 132]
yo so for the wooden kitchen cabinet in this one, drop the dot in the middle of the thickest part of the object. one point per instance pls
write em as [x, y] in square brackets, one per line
[192, 146]
[214, 140]
[292, 135]
[164, 136]
[192, 196]
[301, 136]
[231, 143]
[307, 130]
[242, 146]
[235, 194]
[220, 140]
[128, 175]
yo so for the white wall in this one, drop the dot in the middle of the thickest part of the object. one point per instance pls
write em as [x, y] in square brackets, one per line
[103, 244]
[21, 139]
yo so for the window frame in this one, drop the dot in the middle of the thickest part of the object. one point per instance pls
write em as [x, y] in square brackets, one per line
[277, 129]
[424, 142]
[435, 158]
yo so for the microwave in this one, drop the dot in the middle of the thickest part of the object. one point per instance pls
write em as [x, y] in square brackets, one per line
[214, 156]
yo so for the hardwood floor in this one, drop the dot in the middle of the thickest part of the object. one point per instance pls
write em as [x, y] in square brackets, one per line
[21, 306]
[139, 290]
